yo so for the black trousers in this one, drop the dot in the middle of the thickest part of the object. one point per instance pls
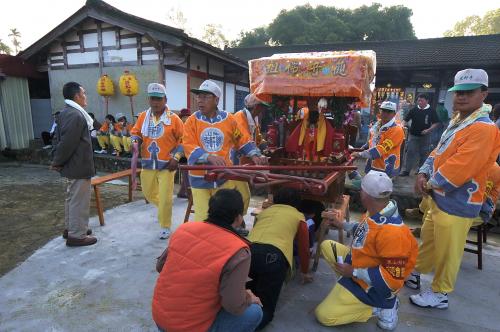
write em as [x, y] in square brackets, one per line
[268, 270]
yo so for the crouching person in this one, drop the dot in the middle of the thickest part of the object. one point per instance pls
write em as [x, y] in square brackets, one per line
[373, 270]
[272, 249]
[202, 284]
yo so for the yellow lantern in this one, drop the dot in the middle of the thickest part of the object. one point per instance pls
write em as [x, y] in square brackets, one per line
[105, 86]
[129, 86]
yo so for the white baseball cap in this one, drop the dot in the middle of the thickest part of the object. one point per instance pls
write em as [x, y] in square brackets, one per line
[208, 86]
[377, 184]
[251, 100]
[470, 79]
[118, 116]
[157, 90]
[389, 105]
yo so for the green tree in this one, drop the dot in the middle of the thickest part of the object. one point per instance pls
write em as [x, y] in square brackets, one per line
[214, 36]
[4, 48]
[323, 24]
[256, 37]
[474, 25]
[15, 35]
[176, 19]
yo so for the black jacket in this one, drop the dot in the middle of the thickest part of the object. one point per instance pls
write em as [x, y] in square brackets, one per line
[73, 146]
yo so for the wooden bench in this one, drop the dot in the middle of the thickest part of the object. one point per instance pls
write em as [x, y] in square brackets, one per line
[96, 181]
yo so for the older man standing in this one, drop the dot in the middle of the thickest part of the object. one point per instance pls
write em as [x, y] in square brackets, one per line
[248, 123]
[210, 134]
[373, 270]
[383, 149]
[454, 176]
[73, 158]
[159, 131]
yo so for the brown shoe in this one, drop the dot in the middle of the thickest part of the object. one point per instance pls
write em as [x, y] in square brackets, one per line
[75, 242]
[65, 233]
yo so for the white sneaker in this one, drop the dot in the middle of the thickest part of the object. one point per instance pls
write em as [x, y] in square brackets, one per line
[388, 318]
[47, 147]
[165, 233]
[101, 151]
[430, 299]
[413, 281]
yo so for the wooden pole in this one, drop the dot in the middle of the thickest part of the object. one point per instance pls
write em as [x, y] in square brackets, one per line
[132, 108]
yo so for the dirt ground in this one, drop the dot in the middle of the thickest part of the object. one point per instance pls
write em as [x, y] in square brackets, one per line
[32, 209]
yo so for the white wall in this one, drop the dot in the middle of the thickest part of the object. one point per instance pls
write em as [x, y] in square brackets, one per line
[230, 97]
[176, 84]
[127, 54]
[82, 58]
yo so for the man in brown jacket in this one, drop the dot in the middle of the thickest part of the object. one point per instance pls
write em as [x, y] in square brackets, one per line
[73, 158]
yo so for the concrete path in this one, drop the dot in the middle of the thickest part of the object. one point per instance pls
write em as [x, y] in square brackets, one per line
[108, 286]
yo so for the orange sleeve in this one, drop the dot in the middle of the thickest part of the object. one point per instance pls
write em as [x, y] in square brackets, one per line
[190, 139]
[463, 165]
[241, 121]
[391, 139]
[240, 137]
[104, 127]
[136, 130]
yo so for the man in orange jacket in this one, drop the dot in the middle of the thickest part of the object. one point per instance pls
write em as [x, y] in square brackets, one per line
[454, 176]
[372, 271]
[209, 136]
[159, 131]
[248, 123]
[383, 149]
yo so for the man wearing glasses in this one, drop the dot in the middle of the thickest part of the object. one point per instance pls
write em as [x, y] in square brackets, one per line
[209, 136]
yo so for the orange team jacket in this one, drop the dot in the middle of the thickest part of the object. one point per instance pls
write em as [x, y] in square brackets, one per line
[125, 131]
[458, 167]
[215, 136]
[384, 149]
[243, 126]
[114, 130]
[161, 141]
[491, 192]
[384, 251]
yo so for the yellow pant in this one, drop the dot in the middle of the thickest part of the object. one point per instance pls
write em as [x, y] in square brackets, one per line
[443, 239]
[425, 204]
[116, 141]
[340, 306]
[121, 143]
[244, 189]
[103, 141]
[158, 188]
[127, 143]
[202, 196]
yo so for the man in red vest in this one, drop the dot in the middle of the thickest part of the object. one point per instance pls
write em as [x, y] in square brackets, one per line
[202, 284]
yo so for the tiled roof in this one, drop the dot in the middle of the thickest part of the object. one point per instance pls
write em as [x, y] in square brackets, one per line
[428, 53]
[100, 10]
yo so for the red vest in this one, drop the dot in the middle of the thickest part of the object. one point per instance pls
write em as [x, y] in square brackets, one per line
[186, 296]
